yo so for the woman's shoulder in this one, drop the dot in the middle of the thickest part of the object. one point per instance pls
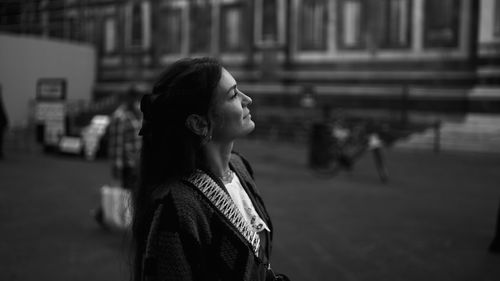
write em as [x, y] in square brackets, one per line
[178, 192]
[181, 197]
[180, 209]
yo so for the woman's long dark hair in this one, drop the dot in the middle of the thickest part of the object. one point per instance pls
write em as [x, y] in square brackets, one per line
[169, 150]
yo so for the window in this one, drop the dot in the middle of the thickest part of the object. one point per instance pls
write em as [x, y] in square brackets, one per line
[170, 40]
[110, 35]
[496, 29]
[394, 23]
[71, 28]
[92, 34]
[136, 28]
[375, 24]
[269, 20]
[138, 25]
[352, 24]
[232, 28]
[200, 15]
[31, 18]
[10, 15]
[441, 23]
[55, 14]
[313, 23]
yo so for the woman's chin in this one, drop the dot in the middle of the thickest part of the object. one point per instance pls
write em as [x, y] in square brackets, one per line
[249, 127]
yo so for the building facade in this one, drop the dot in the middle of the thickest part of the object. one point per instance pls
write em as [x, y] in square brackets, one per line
[418, 55]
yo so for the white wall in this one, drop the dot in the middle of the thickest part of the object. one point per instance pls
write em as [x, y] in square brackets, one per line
[23, 60]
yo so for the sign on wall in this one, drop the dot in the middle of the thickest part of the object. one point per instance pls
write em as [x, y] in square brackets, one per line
[50, 110]
[51, 89]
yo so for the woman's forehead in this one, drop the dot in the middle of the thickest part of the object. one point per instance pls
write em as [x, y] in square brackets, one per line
[226, 81]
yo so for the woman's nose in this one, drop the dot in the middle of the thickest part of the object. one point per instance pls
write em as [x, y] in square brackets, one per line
[246, 99]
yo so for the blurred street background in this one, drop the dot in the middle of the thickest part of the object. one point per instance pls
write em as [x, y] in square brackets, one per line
[433, 220]
[334, 83]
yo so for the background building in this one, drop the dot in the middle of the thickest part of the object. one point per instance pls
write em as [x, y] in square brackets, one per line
[397, 58]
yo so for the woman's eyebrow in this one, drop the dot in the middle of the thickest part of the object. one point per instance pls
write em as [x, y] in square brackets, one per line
[232, 88]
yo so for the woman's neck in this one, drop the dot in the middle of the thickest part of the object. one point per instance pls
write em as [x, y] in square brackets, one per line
[216, 157]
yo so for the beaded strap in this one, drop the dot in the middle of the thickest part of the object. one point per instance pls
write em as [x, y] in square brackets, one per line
[225, 205]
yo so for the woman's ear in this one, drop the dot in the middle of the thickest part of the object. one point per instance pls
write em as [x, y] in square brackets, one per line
[197, 124]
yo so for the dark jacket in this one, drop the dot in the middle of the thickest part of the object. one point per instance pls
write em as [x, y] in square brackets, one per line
[190, 239]
[4, 121]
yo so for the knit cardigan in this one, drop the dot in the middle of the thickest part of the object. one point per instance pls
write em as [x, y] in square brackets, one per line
[190, 239]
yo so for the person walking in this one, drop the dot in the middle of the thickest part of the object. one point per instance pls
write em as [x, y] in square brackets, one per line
[375, 145]
[495, 243]
[4, 123]
[197, 212]
[124, 145]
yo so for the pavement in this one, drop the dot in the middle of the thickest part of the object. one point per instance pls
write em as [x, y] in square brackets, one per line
[433, 220]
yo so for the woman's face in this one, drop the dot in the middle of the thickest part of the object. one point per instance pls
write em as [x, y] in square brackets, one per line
[230, 116]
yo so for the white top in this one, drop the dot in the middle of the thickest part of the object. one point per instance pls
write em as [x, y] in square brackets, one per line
[244, 204]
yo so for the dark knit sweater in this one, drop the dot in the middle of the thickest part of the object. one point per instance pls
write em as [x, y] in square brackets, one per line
[190, 239]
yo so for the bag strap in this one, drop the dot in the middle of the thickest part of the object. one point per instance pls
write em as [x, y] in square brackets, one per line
[225, 204]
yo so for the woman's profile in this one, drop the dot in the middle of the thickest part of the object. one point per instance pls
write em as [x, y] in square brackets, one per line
[197, 212]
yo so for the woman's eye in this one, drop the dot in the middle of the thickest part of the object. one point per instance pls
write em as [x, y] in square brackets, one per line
[235, 93]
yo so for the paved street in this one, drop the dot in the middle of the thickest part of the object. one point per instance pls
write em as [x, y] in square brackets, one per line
[433, 221]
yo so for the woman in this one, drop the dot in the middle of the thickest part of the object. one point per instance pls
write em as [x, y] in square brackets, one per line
[197, 213]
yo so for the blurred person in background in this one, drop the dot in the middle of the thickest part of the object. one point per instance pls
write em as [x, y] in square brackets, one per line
[124, 144]
[197, 212]
[124, 140]
[4, 122]
[495, 244]
[375, 144]
[340, 136]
